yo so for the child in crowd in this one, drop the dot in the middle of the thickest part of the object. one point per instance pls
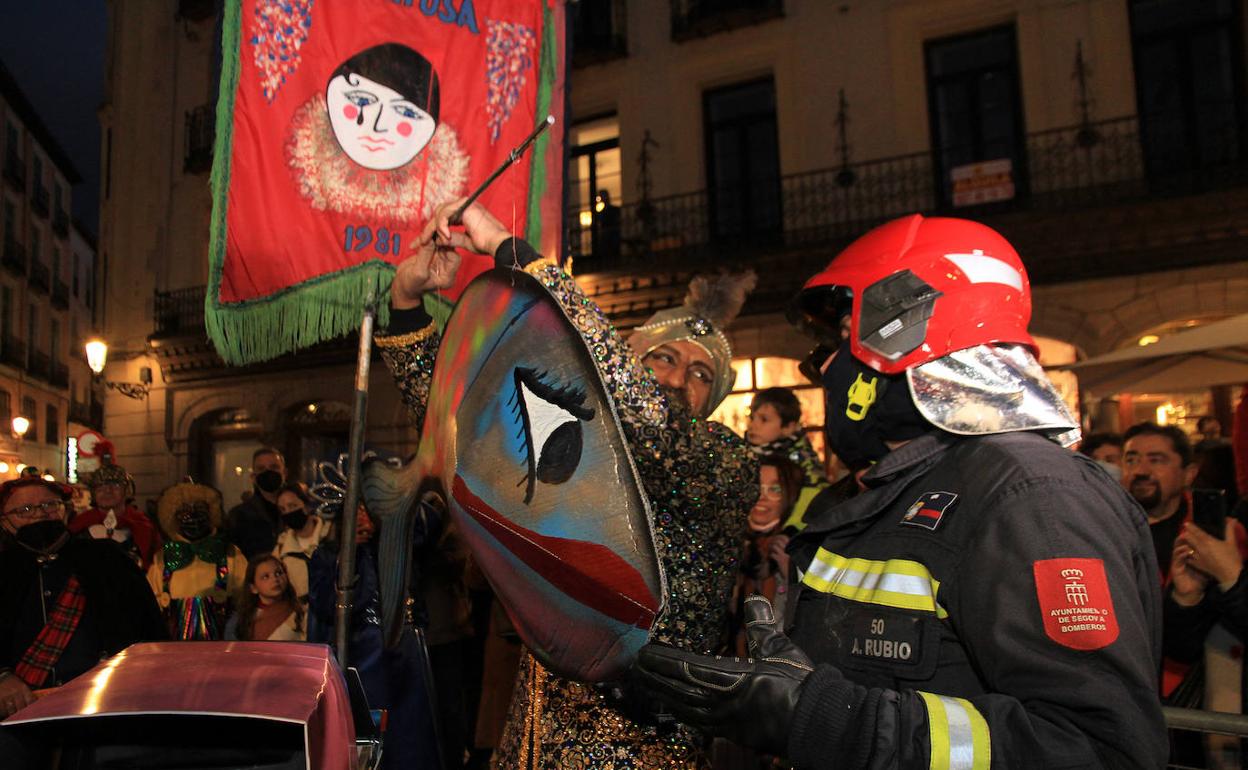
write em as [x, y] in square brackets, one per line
[302, 533]
[775, 429]
[268, 609]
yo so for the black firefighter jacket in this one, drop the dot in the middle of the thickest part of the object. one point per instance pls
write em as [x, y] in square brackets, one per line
[989, 602]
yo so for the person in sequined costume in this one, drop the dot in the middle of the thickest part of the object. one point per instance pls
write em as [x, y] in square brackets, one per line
[196, 572]
[700, 479]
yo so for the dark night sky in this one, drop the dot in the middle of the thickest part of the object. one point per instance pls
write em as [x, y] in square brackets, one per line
[55, 51]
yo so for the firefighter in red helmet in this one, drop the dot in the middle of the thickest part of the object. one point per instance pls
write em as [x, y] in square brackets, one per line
[991, 598]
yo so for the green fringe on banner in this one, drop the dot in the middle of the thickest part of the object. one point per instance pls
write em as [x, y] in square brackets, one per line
[314, 311]
[537, 169]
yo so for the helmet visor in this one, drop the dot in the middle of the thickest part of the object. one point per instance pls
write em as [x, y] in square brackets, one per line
[821, 312]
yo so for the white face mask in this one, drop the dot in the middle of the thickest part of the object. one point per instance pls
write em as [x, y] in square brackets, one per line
[1114, 470]
[377, 127]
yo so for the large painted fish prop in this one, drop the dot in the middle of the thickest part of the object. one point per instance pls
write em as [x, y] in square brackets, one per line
[523, 446]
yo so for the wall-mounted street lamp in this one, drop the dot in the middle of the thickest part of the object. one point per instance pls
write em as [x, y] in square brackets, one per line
[20, 426]
[97, 357]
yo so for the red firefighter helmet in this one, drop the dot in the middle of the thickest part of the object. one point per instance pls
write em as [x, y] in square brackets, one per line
[917, 289]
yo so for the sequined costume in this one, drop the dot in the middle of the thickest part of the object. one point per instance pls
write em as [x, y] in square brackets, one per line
[193, 581]
[700, 479]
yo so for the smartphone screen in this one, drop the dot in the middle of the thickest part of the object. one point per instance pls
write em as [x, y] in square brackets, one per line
[1209, 511]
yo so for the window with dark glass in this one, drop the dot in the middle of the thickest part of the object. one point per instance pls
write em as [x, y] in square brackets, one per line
[36, 246]
[976, 117]
[30, 410]
[598, 31]
[32, 329]
[1188, 79]
[10, 221]
[51, 428]
[6, 408]
[12, 140]
[77, 268]
[54, 342]
[742, 160]
[6, 313]
[594, 187]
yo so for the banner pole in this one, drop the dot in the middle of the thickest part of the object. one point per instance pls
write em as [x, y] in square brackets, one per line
[346, 522]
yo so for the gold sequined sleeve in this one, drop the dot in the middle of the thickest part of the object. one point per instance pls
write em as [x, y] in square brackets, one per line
[631, 385]
[410, 358]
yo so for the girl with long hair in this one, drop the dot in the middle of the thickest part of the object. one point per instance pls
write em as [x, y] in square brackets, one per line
[268, 609]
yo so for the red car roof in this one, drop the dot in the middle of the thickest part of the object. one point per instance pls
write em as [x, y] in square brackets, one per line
[282, 681]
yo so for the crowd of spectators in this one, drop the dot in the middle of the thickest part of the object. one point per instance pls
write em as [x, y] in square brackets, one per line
[267, 570]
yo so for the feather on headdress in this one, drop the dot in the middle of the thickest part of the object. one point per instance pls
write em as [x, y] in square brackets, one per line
[711, 304]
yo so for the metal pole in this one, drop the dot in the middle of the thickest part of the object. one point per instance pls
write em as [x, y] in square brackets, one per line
[346, 522]
[1215, 722]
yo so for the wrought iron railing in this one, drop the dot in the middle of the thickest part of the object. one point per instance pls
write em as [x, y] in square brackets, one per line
[60, 293]
[15, 171]
[180, 311]
[599, 31]
[39, 276]
[38, 364]
[697, 18]
[90, 414]
[14, 256]
[200, 129]
[1065, 169]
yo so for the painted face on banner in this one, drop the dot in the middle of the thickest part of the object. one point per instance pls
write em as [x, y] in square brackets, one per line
[375, 125]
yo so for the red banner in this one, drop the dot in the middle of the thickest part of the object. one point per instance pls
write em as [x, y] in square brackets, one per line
[342, 125]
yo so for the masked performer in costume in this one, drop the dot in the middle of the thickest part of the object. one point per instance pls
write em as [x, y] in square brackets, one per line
[698, 521]
[112, 515]
[196, 571]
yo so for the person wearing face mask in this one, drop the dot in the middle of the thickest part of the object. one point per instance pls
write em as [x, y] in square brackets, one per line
[990, 599]
[196, 572]
[65, 602]
[254, 524]
[301, 534]
[112, 515]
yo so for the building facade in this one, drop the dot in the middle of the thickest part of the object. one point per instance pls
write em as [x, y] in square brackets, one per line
[46, 297]
[1105, 138]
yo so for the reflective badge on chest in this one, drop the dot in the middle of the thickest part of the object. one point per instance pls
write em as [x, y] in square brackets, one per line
[929, 510]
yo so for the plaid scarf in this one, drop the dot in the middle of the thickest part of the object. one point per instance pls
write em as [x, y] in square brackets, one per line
[45, 652]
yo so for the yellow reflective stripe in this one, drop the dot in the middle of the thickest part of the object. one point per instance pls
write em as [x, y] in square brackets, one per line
[898, 583]
[958, 734]
[938, 732]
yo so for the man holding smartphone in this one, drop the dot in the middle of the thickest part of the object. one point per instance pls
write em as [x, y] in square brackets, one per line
[1200, 552]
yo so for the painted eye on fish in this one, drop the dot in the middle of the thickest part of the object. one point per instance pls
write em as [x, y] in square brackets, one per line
[549, 418]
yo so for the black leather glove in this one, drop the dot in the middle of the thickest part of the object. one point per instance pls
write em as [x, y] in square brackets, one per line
[749, 700]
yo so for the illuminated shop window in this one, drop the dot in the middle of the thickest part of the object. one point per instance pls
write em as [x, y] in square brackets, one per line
[755, 374]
